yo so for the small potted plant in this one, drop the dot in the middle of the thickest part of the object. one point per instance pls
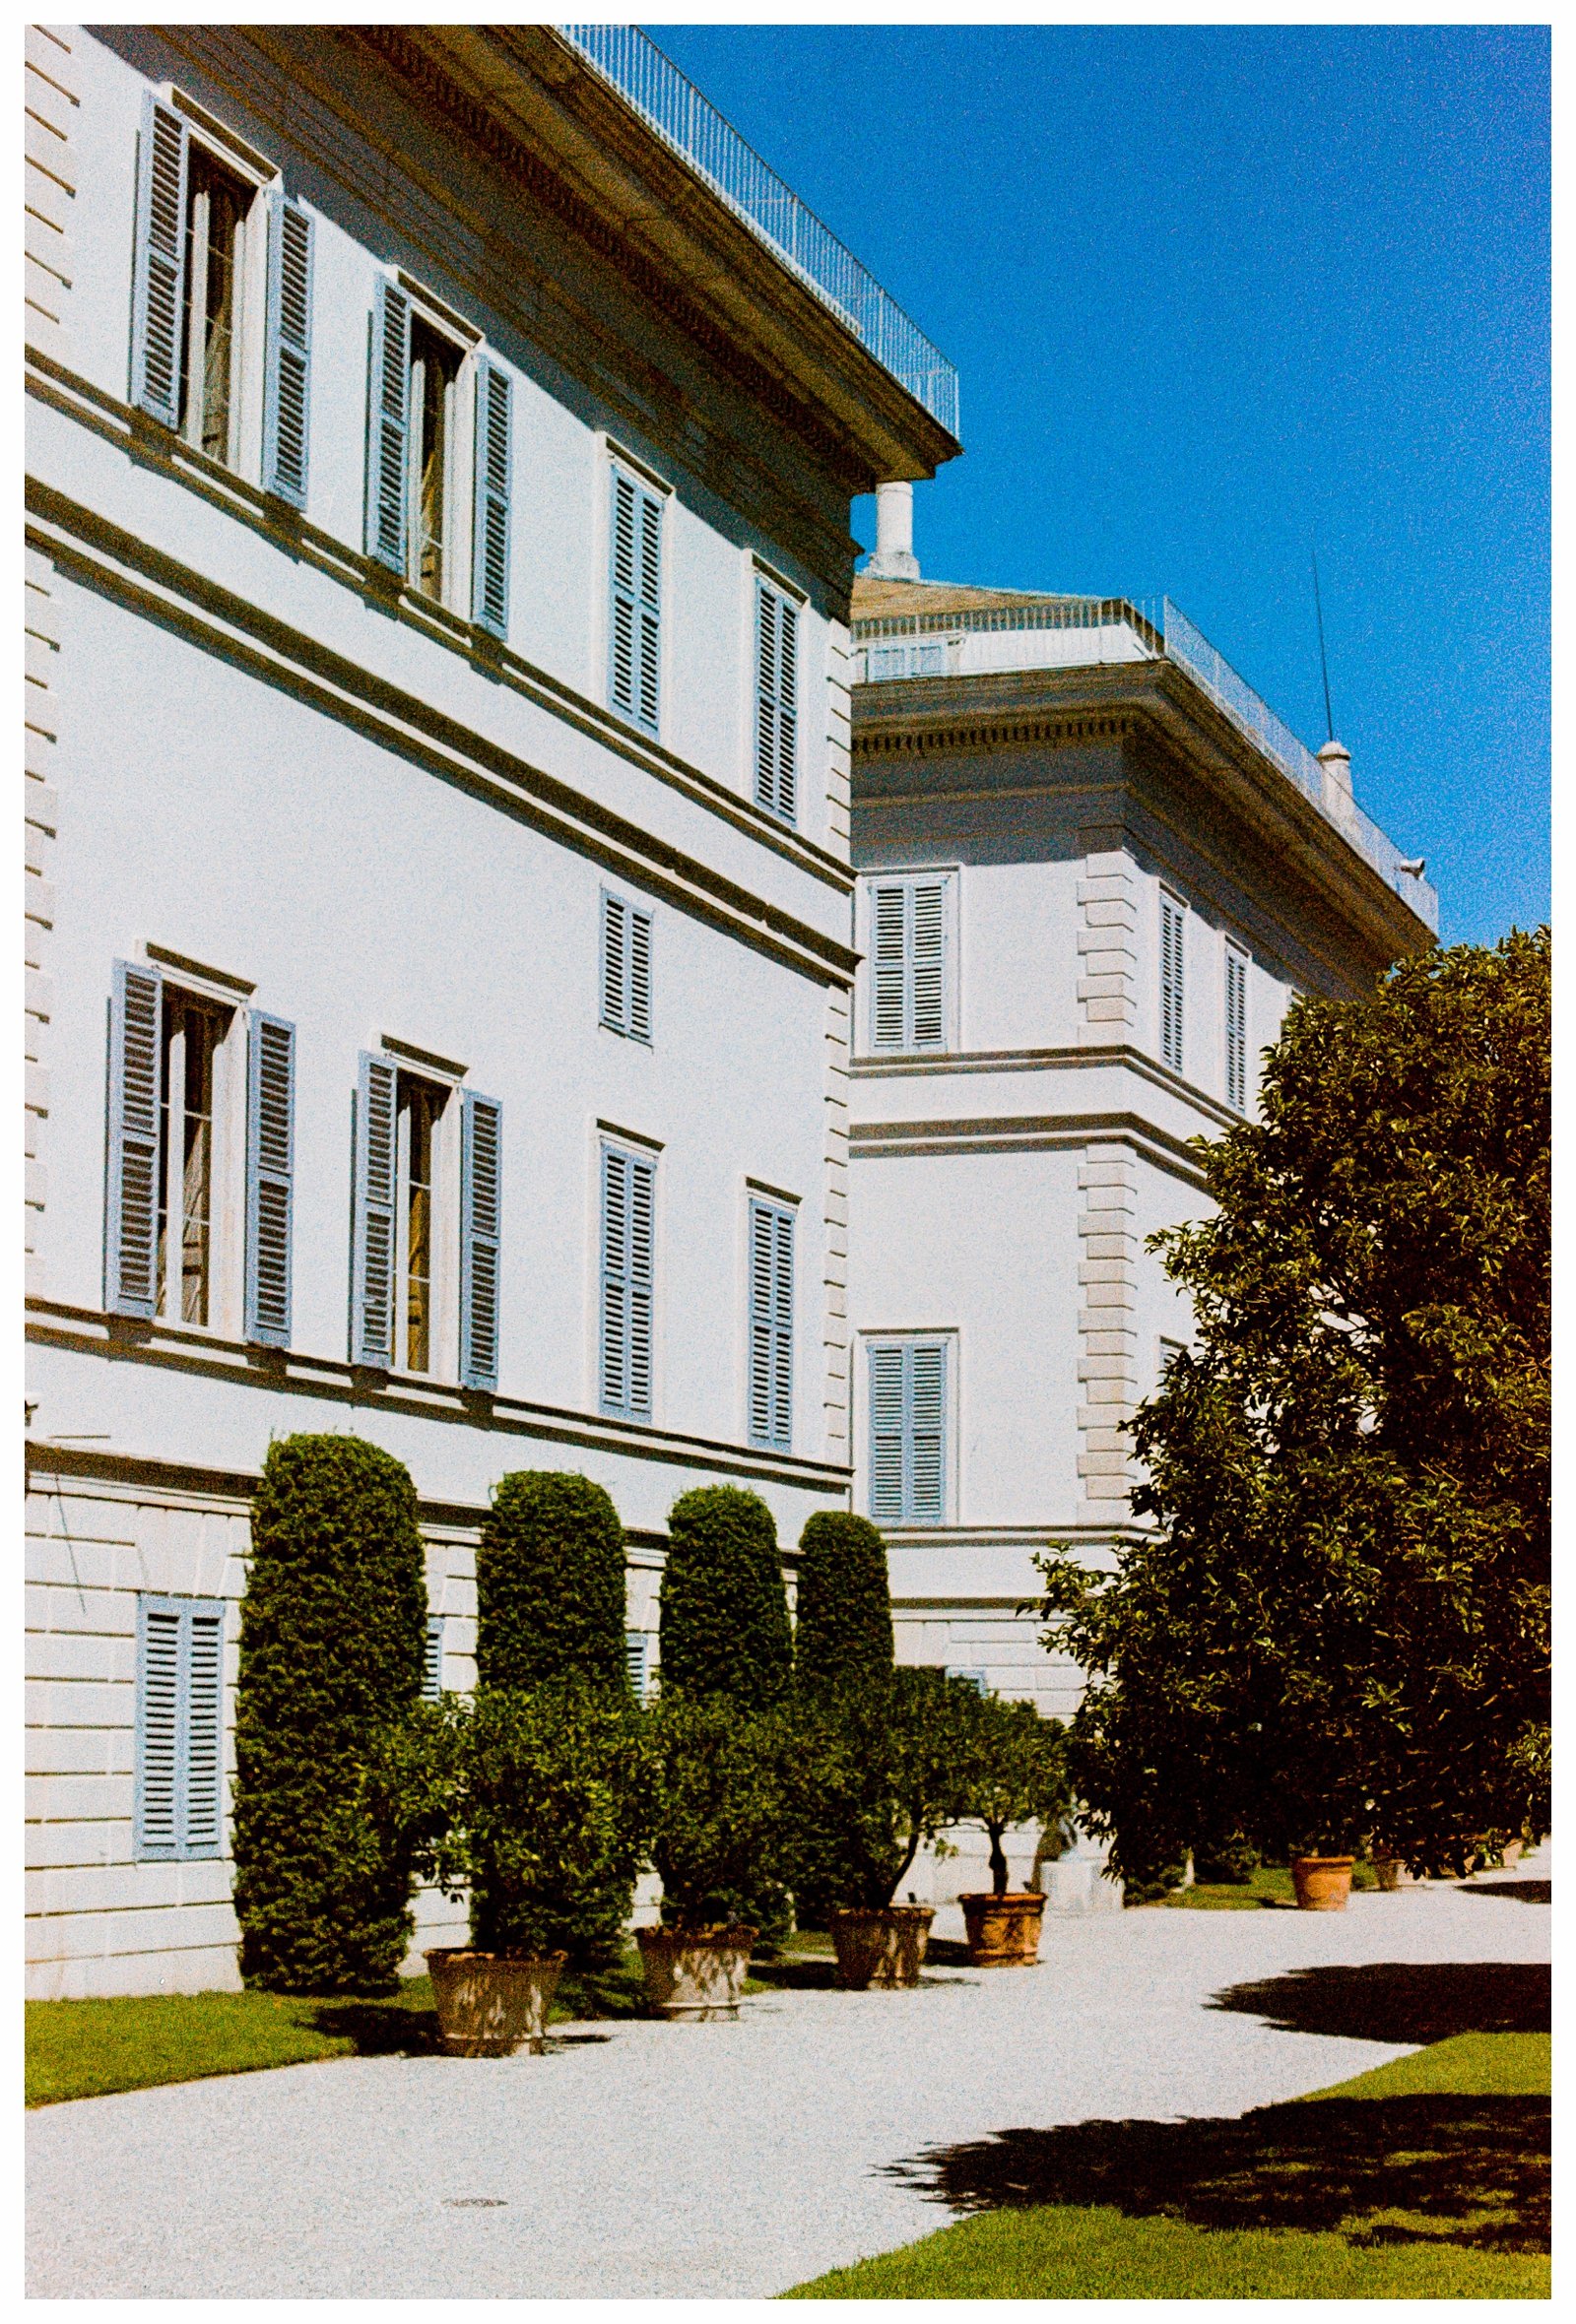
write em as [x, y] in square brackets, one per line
[878, 1771]
[716, 1814]
[1014, 1773]
[534, 1801]
[1321, 1871]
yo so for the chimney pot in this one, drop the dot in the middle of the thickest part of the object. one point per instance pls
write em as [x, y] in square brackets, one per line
[1336, 760]
[894, 558]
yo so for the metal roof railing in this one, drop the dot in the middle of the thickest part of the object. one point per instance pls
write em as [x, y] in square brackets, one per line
[671, 104]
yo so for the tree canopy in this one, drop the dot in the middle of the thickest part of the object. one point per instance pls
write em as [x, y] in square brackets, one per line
[1339, 1628]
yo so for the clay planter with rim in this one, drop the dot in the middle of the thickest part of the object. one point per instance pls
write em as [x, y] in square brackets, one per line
[491, 2004]
[1322, 1883]
[696, 1973]
[1390, 1873]
[1004, 1931]
[883, 1947]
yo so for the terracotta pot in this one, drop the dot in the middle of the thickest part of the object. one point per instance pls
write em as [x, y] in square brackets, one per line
[491, 2004]
[1004, 1932]
[1390, 1873]
[1322, 1883]
[881, 1948]
[697, 1973]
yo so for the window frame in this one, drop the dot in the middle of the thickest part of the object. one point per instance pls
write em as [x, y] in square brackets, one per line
[618, 1013]
[614, 1144]
[762, 1202]
[949, 876]
[618, 463]
[181, 1847]
[1173, 1017]
[946, 1339]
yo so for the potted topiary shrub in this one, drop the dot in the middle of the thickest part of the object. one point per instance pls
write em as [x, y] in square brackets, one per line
[715, 1811]
[877, 1771]
[531, 1801]
[1014, 1773]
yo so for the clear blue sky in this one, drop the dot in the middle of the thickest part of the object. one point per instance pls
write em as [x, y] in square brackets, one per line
[1211, 291]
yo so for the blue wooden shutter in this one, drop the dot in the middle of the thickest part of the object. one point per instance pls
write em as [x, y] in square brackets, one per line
[177, 1796]
[1171, 980]
[287, 367]
[634, 1662]
[432, 1659]
[136, 1096]
[642, 1232]
[908, 1432]
[203, 1803]
[636, 621]
[776, 701]
[888, 963]
[490, 523]
[628, 1186]
[372, 1220]
[927, 964]
[615, 962]
[887, 1410]
[639, 1020]
[771, 1316]
[481, 1228]
[158, 1741]
[1236, 1028]
[270, 1164]
[927, 1427]
[159, 267]
[388, 427]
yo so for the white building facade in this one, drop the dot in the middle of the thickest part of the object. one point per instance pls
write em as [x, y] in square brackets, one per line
[440, 961]
[1094, 871]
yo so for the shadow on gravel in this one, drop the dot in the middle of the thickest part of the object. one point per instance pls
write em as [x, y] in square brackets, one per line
[1380, 2171]
[381, 2028]
[1518, 1891]
[1400, 2001]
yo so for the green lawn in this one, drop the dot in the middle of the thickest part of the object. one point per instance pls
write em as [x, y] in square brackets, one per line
[1266, 1884]
[1424, 2179]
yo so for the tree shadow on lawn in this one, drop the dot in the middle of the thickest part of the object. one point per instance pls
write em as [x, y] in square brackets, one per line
[1400, 2001]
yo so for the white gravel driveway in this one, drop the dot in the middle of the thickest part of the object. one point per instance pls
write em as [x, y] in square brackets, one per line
[698, 2160]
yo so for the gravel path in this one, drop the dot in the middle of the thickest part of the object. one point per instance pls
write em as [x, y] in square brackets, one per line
[643, 2159]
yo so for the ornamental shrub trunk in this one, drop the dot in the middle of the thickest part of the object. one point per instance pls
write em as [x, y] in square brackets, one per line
[332, 1638]
[549, 1585]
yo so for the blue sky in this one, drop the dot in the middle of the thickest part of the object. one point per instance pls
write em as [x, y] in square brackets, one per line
[1213, 291]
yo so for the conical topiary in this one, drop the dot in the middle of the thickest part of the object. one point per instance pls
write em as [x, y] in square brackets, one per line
[549, 1585]
[844, 1629]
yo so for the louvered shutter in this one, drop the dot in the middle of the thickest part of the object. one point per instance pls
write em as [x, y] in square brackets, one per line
[270, 1155]
[489, 522]
[927, 964]
[636, 658]
[776, 697]
[771, 1301]
[1236, 1029]
[1172, 994]
[177, 1797]
[432, 1659]
[202, 1805]
[157, 1740]
[890, 950]
[927, 1417]
[638, 1024]
[388, 427]
[287, 380]
[634, 1662]
[887, 1406]
[136, 1094]
[372, 1222]
[615, 961]
[628, 1223]
[481, 1227]
[642, 1224]
[159, 271]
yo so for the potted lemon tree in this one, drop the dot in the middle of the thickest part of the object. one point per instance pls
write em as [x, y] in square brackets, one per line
[1015, 1771]
[715, 1811]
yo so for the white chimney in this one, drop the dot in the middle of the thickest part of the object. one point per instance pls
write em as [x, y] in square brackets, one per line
[894, 558]
[1336, 760]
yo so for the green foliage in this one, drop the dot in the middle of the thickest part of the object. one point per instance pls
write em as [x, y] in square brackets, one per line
[1532, 1778]
[1228, 1861]
[844, 1628]
[1014, 1770]
[1339, 1625]
[531, 1799]
[724, 1622]
[549, 1585]
[717, 1813]
[877, 1769]
[332, 1640]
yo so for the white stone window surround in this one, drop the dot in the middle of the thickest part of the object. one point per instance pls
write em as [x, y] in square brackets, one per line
[950, 1337]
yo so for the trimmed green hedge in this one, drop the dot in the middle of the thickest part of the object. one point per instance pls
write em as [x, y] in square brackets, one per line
[844, 1629]
[724, 1626]
[332, 1637]
[549, 1585]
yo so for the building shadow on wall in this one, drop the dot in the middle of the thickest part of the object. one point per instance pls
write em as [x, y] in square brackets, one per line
[1473, 2168]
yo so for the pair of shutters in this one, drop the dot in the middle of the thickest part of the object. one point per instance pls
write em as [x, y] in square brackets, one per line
[628, 1208]
[374, 1231]
[136, 1100]
[776, 701]
[158, 298]
[625, 968]
[1236, 1029]
[908, 1432]
[772, 1326]
[177, 1805]
[1171, 988]
[388, 461]
[636, 614]
[909, 964]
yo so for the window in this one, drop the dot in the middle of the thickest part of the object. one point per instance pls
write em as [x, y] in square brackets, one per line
[169, 1158]
[629, 1198]
[625, 968]
[407, 1210]
[925, 659]
[202, 226]
[1171, 986]
[178, 1745]
[909, 962]
[1169, 1350]
[432, 1659]
[635, 612]
[1236, 1028]
[969, 1678]
[771, 1324]
[908, 1431]
[637, 1661]
[776, 697]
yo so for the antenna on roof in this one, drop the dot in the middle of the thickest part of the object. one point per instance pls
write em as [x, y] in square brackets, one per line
[1323, 663]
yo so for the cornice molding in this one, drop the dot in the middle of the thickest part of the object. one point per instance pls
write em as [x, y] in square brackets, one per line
[1073, 1059]
[1009, 1133]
